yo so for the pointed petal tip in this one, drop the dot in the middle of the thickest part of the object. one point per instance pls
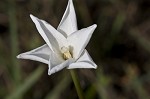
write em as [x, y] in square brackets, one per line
[21, 56]
[95, 67]
[50, 72]
[33, 17]
[18, 56]
[94, 26]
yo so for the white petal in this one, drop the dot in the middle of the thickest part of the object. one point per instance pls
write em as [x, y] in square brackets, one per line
[85, 61]
[52, 37]
[68, 23]
[40, 54]
[79, 39]
[56, 64]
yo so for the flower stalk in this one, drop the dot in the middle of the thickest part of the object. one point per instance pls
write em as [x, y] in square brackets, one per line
[77, 84]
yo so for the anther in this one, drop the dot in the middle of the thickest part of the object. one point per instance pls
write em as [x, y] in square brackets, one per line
[66, 53]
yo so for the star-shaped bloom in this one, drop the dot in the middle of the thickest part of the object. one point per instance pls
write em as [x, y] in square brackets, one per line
[65, 46]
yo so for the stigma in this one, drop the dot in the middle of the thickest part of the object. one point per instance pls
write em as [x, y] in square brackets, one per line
[66, 53]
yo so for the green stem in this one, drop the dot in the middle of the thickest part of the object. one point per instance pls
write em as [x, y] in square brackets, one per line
[77, 84]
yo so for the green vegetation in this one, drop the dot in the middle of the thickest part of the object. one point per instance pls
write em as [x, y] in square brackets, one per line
[120, 47]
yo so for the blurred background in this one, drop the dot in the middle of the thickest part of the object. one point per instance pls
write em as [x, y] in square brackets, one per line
[120, 47]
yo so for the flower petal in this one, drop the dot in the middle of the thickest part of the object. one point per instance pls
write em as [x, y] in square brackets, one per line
[56, 64]
[52, 37]
[40, 54]
[68, 23]
[79, 39]
[85, 61]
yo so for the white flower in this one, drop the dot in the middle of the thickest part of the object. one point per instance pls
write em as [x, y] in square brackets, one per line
[65, 47]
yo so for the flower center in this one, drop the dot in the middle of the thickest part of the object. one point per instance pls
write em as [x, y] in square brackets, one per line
[66, 53]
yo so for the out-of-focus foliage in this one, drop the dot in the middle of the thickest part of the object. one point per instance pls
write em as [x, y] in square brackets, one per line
[120, 46]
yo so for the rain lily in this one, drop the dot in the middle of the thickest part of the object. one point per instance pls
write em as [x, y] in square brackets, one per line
[65, 46]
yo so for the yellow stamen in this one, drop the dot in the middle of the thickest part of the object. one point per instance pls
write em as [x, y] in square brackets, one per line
[66, 53]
